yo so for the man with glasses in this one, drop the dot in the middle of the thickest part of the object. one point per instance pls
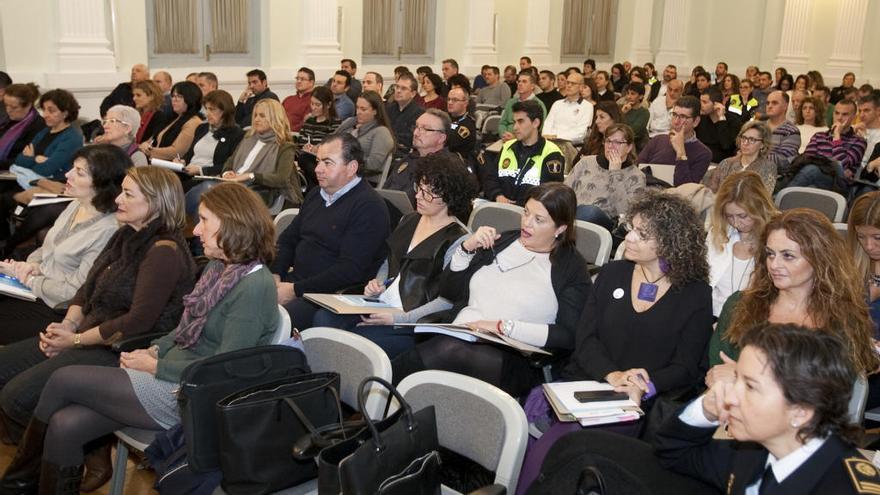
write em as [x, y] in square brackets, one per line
[569, 119]
[298, 106]
[681, 147]
[525, 162]
[429, 137]
[338, 238]
[462, 136]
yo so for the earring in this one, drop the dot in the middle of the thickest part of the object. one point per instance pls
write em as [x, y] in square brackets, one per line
[794, 424]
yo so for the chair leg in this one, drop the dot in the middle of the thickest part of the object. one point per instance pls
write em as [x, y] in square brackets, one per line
[117, 483]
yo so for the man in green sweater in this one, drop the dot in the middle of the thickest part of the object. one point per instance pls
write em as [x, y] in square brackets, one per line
[525, 90]
[635, 114]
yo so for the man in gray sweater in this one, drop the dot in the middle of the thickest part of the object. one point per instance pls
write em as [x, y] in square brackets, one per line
[496, 93]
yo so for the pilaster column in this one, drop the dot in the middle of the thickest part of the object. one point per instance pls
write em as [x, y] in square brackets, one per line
[641, 40]
[479, 49]
[793, 44]
[849, 34]
[320, 34]
[83, 39]
[673, 41]
[537, 39]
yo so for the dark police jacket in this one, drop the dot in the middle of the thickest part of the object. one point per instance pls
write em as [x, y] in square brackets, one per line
[732, 466]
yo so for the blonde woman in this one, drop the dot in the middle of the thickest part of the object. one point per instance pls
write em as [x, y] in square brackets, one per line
[864, 243]
[742, 209]
[753, 142]
[264, 160]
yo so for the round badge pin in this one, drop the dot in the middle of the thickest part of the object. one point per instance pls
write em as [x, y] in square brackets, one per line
[617, 294]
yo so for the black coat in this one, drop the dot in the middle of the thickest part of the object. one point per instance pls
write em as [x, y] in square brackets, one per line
[733, 466]
[228, 138]
[420, 268]
[122, 94]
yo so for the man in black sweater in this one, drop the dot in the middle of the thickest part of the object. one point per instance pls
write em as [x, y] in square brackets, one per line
[338, 238]
[122, 93]
[257, 89]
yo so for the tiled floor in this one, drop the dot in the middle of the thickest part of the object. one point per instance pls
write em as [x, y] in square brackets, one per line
[137, 482]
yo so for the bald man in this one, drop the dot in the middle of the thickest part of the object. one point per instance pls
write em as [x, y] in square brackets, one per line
[122, 93]
[163, 79]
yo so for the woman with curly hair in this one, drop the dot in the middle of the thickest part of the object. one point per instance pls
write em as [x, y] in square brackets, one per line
[647, 319]
[418, 250]
[803, 275]
[742, 208]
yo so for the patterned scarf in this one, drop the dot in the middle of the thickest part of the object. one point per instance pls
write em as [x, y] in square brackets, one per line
[218, 279]
[7, 141]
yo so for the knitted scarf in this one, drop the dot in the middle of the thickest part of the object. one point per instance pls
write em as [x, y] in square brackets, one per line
[217, 280]
[11, 136]
[266, 159]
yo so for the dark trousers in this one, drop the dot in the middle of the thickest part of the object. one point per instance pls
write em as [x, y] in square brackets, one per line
[24, 371]
[24, 319]
[393, 340]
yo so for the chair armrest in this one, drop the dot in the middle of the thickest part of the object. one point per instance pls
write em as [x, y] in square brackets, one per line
[496, 489]
[135, 342]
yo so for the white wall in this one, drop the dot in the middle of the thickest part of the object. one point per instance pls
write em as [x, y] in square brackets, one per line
[742, 33]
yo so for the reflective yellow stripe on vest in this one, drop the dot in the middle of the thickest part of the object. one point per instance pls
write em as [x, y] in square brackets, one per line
[508, 166]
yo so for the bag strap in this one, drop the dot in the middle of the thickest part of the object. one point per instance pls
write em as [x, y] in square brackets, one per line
[305, 420]
[362, 399]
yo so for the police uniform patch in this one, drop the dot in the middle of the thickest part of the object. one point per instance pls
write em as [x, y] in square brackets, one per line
[506, 163]
[481, 159]
[463, 132]
[864, 475]
[402, 167]
[555, 166]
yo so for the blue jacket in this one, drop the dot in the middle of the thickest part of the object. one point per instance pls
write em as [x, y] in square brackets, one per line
[59, 153]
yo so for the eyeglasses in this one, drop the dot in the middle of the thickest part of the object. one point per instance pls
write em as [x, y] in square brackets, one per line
[680, 116]
[457, 100]
[113, 121]
[641, 234]
[750, 140]
[426, 194]
[422, 128]
[612, 142]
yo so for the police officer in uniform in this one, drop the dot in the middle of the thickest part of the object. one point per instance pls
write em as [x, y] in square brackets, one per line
[462, 136]
[524, 162]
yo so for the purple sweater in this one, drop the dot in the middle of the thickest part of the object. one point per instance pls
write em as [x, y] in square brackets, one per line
[848, 150]
[659, 150]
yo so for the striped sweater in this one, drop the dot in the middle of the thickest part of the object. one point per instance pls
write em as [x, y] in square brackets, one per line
[848, 150]
[785, 143]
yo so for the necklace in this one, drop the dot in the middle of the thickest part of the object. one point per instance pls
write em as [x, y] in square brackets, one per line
[648, 289]
[742, 275]
[875, 280]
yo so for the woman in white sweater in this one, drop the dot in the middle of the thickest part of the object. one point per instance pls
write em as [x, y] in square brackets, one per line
[55, 271]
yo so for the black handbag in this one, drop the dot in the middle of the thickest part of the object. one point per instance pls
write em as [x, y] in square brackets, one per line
[205, 382]
[259, 426]
[397, 455]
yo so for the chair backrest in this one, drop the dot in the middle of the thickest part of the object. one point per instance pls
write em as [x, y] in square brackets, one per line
[858, 400]
[385, 170]
[661, 171]
[354, 358]
[593, 242]
[490, 124]
[842, 229]
[829, 203]
[277, 205]
[284, 219]
[499, 215]
[474, 419]
[618, 255]
[284, 326]
[397, 198]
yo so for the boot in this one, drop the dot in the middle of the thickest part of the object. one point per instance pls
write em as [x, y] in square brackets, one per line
[23, 473]
[99, 468]
[58, 480]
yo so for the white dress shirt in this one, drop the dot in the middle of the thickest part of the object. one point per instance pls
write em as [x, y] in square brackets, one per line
[569, 120]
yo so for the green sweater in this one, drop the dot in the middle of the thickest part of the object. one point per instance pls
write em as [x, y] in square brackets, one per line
[506, 122]
[718, 343]
[246, 317]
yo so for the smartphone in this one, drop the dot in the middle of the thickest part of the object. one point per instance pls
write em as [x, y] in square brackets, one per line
[372, 299]
[599, 395]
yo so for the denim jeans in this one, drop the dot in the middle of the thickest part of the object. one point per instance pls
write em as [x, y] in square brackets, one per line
[594, 214]
[812, 176]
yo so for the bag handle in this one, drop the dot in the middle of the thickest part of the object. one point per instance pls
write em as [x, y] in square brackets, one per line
[407, 410]
[305, 420]
[229, 367]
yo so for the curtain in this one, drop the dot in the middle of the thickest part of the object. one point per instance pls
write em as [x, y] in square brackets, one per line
[600, 39]
[176, 24]
[574, 27]
[229, 20]
[379, 27]
[415, 27]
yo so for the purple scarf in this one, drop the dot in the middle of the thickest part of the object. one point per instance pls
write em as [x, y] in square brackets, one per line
[11, 136]
[213, 285]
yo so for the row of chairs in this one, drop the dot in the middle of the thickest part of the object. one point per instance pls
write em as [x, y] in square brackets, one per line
[474, 419]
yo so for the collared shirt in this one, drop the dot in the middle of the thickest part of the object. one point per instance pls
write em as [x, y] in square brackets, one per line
[344, 106]
[329, 199]
[782, 468]
[661, 117]
[569, 120]
[297, 107]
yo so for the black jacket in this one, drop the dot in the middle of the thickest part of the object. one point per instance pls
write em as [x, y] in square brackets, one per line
[122, 94]
[420, 268]
[733, 466]
[229, 138]
[568, 276]
[244, 111]
[157, 122]
[719, 137]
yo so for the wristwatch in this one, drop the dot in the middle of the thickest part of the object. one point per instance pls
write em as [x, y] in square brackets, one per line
[77, 340]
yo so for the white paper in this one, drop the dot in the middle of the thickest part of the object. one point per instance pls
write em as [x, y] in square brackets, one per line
[177, 167]
[564, 392]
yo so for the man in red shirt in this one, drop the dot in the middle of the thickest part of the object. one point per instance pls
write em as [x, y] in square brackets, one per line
[297, 106]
